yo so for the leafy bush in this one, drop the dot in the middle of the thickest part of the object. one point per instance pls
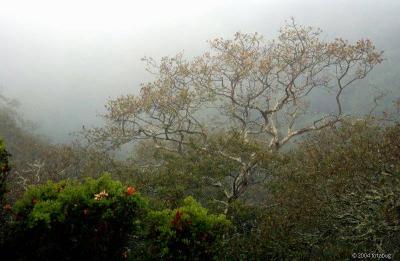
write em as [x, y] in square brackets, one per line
[245, 243]
[335, 194]
[186, 233]
[70, 220]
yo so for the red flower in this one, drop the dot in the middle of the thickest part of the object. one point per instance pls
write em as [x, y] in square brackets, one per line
[130, 191]
[177, 220]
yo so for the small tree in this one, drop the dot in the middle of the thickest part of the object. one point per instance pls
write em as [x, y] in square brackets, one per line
[263, 90]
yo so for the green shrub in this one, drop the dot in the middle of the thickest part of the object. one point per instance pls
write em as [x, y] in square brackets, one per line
[334, 195]
[245, 243]
[70, 220]
[186, 233]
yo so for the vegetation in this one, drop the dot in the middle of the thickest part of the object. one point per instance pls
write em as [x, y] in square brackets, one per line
[36, 160]
[4, 171]
[186, 233]
[262, 91]
[270, 178]
[92, 220]
[337, 194]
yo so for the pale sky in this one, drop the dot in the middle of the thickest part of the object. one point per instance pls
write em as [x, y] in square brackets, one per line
[63, 59]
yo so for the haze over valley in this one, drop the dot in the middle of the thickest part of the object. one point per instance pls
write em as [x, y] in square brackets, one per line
[62, 60]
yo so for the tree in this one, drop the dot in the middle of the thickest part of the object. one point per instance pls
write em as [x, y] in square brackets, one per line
[35, 159]
[262, 90]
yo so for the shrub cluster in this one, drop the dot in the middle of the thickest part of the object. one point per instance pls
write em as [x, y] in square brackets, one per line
[186, 233]
[335, 194]
[71, 220]
[101, 219]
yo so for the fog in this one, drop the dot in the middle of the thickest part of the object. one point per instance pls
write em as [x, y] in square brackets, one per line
[63, 59]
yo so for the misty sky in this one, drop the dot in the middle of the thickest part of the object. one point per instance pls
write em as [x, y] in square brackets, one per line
[63, 59]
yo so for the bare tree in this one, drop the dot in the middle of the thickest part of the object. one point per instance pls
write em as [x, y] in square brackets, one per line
[261, 89]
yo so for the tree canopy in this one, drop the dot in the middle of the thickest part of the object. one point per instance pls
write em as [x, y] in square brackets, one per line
[262, 91]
